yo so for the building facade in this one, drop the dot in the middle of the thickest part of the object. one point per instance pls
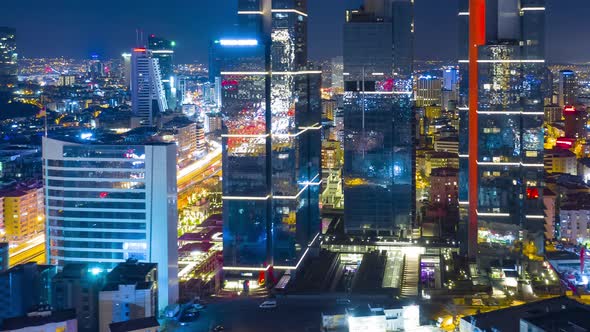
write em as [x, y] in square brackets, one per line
[379, 167]
[106, 203]
[271, 138]
[8, 57]
[163, 50]
[147, 92]
[501, 130]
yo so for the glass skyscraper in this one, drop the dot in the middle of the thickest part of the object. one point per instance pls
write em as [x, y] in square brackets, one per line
[379, 131]
[502, 116]
[147, 92]
[163, 50]
[271, 138]
[106, 203]
[8, 57]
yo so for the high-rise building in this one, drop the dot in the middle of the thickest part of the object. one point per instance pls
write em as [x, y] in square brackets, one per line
[428, 90]
[271, 138]
[147, 92]
[8, 57]
[501, 130]
[106, 203]
[127, 70]
[567, 93]
[163, 50]
[379, 167]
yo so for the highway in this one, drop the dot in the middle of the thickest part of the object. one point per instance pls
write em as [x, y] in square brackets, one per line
[32, 250]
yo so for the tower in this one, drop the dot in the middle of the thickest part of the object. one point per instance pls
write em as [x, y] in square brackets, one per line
[8, 57]
[147, 92]
[501, 136]
[271, 138]
[379, 167]
[163, 50]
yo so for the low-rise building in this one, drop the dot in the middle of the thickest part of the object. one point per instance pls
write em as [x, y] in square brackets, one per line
[23, 287]
[574, 216]
[148, 324]
[43, 320]
[77, 287]
[130, 293]
[560, 161]
[536, 316]
[443, 186]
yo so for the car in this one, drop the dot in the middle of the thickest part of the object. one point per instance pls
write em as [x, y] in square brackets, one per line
[268, 304]
[198, 306]
[188, 316]
[342, 301]
[218, 328]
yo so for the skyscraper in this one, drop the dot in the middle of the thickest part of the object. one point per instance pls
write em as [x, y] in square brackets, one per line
[379, 165]
[501, 126]
[271, 138]
[163, 50]
[106, 203]
[567, 90]
[147, 92]
[8, 57]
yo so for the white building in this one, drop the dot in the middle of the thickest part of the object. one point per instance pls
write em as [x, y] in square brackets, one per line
[109, 203]
[129, 294]
[146, 86]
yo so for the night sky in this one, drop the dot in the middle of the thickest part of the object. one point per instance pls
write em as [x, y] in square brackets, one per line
[79, 28]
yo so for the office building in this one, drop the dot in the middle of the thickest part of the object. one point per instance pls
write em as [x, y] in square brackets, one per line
[379, 130]
[163, 50]
[271, 139]
[127, 70]
[182, 132]
[553, 113]
[130, 292]
[147, 92]
[106, 203]
[8, 57]
[501, 111]
[23, 287]
[575, 121]
[337, 71]
[402, 18]
[77, 286]
[567, 93]
[428, 90]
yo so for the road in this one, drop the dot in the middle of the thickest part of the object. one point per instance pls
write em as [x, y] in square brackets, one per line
[244, 315]
[32, 250]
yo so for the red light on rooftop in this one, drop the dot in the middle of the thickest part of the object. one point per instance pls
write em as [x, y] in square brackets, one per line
[569, 109]
[565, 143]
[139, 49]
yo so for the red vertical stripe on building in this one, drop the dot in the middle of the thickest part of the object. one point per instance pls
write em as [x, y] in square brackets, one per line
[477, 37]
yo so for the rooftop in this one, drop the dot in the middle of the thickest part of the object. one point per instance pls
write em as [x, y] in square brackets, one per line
[134, 324]
[508, 319]
[17, 323]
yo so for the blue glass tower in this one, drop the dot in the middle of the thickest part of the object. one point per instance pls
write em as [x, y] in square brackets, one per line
[379, 131]
[502, 182]
[271, 139]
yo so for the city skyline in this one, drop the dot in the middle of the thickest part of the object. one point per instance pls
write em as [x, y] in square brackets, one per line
[80, 35]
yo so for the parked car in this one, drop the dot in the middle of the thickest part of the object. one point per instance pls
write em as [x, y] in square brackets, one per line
[268, 304]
